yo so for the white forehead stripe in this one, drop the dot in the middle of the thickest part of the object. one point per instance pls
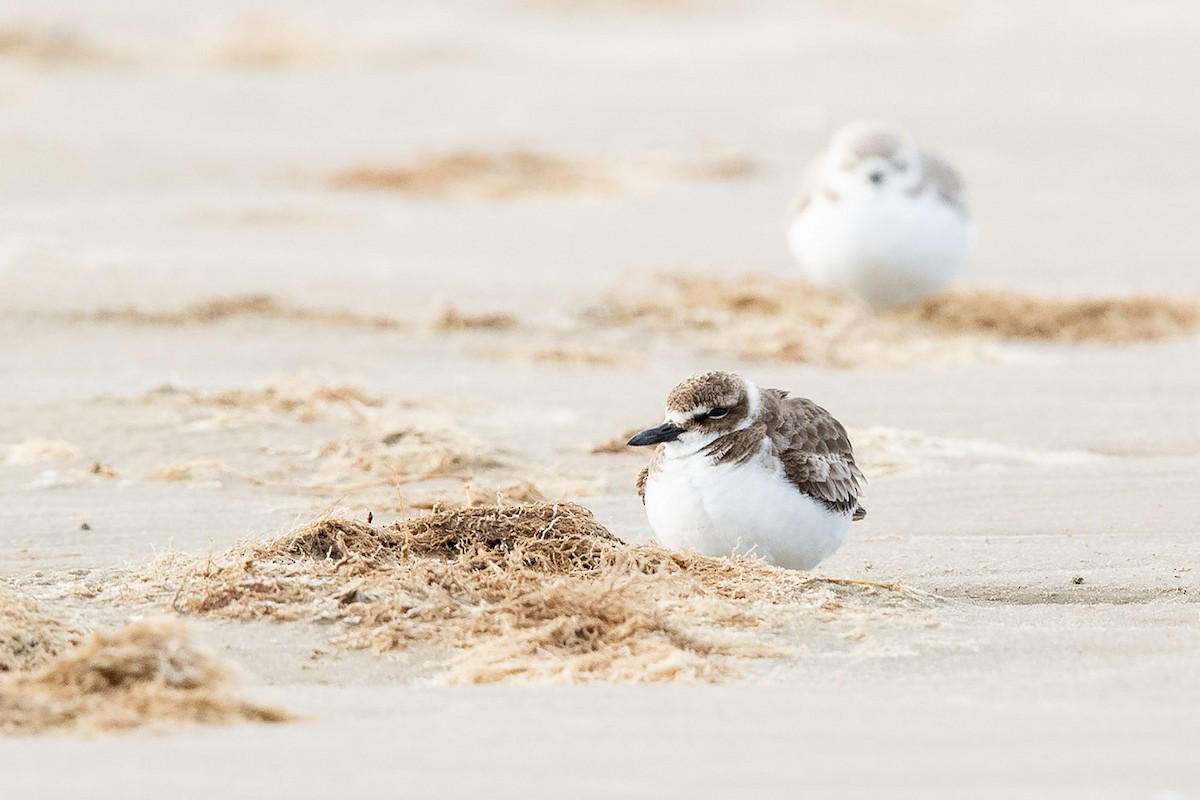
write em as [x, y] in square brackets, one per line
[678, 418]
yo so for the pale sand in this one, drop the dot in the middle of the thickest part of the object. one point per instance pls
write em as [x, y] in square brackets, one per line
[174, 159]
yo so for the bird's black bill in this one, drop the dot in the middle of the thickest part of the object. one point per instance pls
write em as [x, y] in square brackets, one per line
[663, 433]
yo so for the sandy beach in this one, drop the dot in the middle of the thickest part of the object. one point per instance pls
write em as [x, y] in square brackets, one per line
[264, 264]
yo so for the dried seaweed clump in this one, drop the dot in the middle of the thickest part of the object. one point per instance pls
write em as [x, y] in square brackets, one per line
[451, 319]
[763, 317]
[494, 176]
[389, 454]
[1108, 320]
[533, 592]
[248, 306]
[694, 302]
[472, 494]
[305, 401]
[264, 44]
[48, 46]
[521, 172]
[580, 357]
[726, 168]
[409, 453]
[30, 637]
[197, 471]
[144, 673]
[561, 538]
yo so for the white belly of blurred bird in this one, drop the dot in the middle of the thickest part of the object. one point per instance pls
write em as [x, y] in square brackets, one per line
[885, 250]
[719, 510]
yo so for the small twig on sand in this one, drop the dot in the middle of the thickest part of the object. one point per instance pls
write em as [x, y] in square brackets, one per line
[891, 586]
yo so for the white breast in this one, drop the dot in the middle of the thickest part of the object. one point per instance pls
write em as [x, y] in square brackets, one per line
[884, 249]
[718, 510]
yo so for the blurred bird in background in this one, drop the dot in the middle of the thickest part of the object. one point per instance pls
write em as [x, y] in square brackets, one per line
[878, 219]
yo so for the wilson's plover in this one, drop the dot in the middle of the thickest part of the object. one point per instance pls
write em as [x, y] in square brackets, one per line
[879, 219]
[739, 469]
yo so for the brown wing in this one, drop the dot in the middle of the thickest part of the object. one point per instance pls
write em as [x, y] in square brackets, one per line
[816, 453]
[943, 179]
[737, 447]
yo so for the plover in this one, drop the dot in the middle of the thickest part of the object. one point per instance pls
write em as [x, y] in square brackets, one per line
[879, 219]
[739, 469]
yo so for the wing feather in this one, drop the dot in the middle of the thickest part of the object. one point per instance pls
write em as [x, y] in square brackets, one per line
[943, 179]
[816, 453]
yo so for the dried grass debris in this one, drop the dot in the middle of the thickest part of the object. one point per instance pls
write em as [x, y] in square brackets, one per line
[420, 450]
[521, 172]
[581, 357]
[471, 494]
[551, 537]
[764, 317]
[198, 471]
[48, 46]
[304, 401]
[143, 673]
[451, 319]
[494, 176]
[1105, 320]
[720, 169]
[521, 491]
[384, 452]
[267, 44]
[531, 592]
[249, 306]
[29, 636]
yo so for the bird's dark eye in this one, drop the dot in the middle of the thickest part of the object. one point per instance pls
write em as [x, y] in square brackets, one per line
[717, 413]
[876, 177]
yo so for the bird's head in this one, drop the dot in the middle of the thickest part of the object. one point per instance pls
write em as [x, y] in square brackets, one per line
[701, 409]
[871, 158]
